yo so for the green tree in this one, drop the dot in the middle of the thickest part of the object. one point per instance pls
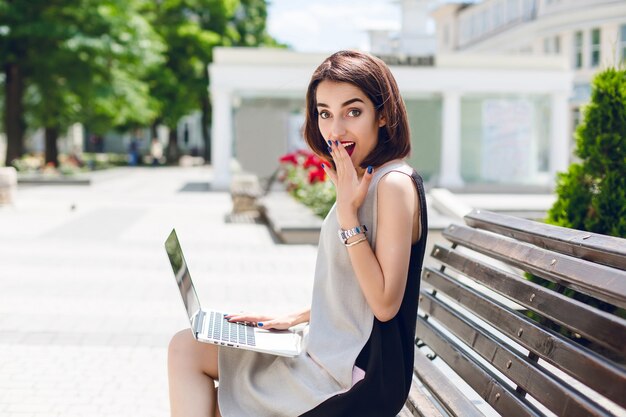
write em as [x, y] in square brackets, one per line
[191, 29]
[74, 61]
[592, 194]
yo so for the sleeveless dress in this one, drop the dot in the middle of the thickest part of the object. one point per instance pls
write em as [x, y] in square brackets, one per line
[343, 332]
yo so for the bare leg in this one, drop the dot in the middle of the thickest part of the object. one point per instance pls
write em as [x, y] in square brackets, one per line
[192, 370]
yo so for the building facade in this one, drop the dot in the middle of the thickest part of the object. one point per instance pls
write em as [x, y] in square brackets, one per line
[473, 120]
[589, 34]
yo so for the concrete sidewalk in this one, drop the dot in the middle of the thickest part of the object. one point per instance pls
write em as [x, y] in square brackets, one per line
[87, 298]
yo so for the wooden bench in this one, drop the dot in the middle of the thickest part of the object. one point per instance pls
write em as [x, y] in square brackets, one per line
[474, 320]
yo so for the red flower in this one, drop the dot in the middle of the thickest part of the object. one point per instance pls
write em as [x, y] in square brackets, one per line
[317, 175]
[313, 161]
[290, 158]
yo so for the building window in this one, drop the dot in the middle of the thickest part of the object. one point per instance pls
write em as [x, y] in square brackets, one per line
[512, 10]
[595, 47]
[578, 50]
[552, 45]
[623, 42]
[557, 44]
[498, 17]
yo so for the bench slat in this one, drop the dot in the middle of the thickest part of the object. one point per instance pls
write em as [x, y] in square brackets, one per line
[577, 361]
[419, 405]
[438, 384]
[599, 326]
[594, 247]
[491, 388]
[603, 282]
[552, 392]
[406, 413]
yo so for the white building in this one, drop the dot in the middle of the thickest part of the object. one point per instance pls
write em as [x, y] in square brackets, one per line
[416, 35]
[473, 119]
[590, 34]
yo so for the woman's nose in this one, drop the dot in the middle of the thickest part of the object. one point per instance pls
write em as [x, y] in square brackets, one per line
[337, 129]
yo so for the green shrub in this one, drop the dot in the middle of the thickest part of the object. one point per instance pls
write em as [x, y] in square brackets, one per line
[592, 193]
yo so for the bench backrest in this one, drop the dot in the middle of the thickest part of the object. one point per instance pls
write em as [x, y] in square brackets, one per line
[527, 349]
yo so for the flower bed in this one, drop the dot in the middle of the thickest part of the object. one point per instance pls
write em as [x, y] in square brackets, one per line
[306, 181]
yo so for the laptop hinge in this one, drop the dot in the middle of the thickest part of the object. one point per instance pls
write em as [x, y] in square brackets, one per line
[198, 322]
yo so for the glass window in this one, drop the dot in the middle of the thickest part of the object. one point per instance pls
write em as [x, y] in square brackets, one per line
[578, 50]
[512, 10]
[595, 47]
[557, 44]
[546, 46]
[505, 139]
[497, 14]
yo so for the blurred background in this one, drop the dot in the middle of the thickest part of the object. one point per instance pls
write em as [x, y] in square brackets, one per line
[122, 119]
[93, 83]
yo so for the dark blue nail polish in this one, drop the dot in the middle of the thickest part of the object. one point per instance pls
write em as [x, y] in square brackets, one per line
[260, 324]
[337, 142]
[330, 142]
[369, 169]
[330, 149]
[323, 166]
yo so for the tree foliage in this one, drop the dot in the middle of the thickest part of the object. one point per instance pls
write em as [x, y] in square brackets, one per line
[114, 64]
[592, 193]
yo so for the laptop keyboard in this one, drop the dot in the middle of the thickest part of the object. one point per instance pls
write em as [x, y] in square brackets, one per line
[227, 332]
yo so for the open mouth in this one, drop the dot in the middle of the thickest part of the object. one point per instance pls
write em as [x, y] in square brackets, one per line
[349, 147]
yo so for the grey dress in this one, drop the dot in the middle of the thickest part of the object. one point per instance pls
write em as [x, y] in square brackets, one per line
[257, 384]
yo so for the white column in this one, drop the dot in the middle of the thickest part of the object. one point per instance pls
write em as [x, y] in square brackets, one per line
[450, 170]
[560, 134]
[221, 139]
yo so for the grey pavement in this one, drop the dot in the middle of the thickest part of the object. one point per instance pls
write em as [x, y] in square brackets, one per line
[87, 298]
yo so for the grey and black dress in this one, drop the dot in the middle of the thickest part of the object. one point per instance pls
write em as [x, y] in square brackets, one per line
[343, 333]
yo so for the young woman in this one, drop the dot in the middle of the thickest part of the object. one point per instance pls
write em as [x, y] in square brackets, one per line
[358, 357]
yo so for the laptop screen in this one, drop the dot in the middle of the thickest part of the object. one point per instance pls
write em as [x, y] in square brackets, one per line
[181, 272]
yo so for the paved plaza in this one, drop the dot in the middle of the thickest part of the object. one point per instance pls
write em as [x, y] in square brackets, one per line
[87, 298]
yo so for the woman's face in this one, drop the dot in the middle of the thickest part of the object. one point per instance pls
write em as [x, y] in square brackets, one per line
[346, 114]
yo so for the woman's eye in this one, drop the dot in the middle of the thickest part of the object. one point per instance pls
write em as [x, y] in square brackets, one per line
[354, 113]
[324, 115]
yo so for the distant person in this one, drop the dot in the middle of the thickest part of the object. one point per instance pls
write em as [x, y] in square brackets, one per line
[358, 355]
[133, 152]
[156, 152]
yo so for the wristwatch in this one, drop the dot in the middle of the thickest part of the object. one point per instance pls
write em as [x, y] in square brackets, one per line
[344, 235]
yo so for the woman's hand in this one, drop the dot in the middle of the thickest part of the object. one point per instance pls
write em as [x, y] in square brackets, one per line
[265, 322]
[351, 191]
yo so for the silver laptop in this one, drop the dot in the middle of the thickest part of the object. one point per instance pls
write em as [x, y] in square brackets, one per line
[210, 326]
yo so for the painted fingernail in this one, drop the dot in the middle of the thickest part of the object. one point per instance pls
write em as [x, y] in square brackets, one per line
[369, 169]
[260, 324]
[337, 142]
[323, 166]
[330, 142]
[330, 149]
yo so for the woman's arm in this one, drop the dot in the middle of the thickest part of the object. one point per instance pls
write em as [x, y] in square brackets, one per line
[382, 274]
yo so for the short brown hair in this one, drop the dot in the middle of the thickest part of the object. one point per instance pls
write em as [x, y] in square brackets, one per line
[372, 76]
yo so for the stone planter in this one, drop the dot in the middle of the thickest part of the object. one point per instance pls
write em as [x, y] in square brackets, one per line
[290, 221]
[8, 185]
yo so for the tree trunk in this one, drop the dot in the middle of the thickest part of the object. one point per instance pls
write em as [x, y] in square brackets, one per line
[153, 129]
[205, 122]
[173, 152]
[14, 111]
[52, 152]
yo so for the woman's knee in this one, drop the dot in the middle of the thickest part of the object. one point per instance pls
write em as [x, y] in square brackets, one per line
[184, 351]
[181, 345]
